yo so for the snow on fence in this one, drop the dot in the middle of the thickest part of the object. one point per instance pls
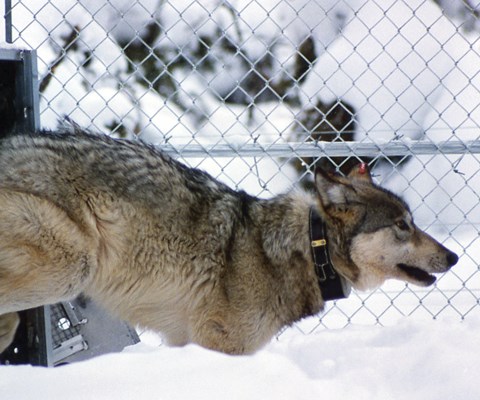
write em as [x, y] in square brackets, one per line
[258, 92]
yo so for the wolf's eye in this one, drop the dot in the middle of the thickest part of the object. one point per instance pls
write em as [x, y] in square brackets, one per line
[402, 225]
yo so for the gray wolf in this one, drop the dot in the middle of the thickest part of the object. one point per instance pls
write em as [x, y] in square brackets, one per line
[170, 248]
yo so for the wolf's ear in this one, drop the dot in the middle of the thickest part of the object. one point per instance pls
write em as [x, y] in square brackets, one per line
[338, 198]
[361, 172]
[330, 188]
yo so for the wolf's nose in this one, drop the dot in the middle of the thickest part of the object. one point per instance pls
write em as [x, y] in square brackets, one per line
[452, 258]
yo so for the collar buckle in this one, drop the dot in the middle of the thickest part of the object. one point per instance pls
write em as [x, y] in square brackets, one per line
[319, 243]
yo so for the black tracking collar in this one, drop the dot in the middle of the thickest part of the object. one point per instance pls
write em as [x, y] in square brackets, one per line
[332, 285]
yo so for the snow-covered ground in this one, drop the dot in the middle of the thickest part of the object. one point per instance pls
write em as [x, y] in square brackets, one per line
[406, 68]
[410, 361]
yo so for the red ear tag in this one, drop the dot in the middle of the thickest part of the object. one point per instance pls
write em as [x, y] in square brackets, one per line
[362, 168]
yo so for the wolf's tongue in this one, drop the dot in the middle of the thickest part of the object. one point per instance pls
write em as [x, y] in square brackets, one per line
[417, 274]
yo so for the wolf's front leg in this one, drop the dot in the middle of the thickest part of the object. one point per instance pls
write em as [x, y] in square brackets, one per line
[8, 326]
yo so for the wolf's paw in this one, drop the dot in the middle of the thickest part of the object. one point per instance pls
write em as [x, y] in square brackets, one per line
[8, 326]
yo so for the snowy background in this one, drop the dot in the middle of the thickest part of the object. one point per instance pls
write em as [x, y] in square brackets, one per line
[204, 74]
[211, 73]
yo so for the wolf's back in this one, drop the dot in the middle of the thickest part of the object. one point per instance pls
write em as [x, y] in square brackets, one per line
[69, 167]
[30, 161]
[30, 158]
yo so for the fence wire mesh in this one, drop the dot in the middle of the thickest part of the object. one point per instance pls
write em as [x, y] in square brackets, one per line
[258, 92]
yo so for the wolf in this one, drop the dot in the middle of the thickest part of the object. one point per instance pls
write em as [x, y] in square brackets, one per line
[170, 248]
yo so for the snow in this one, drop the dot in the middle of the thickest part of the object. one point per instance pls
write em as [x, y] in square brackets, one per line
[124, 19]
[406, 68]
[403, 65]
[391, 64]
[412, 360]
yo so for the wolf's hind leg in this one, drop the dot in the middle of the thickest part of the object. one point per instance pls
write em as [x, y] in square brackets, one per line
[8, 326]
[44, 256]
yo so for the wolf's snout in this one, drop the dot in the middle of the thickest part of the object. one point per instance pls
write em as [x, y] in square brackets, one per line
[452, 259]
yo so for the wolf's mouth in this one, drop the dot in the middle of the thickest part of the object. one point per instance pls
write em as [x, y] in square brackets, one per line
[418, 274]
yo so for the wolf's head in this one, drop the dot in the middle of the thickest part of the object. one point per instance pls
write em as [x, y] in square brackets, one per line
[372, 234]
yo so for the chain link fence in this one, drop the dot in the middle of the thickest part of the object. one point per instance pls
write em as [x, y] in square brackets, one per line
[258, 92]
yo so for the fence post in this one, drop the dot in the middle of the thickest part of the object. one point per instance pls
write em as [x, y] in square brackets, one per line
[8, 20]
